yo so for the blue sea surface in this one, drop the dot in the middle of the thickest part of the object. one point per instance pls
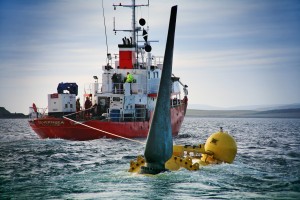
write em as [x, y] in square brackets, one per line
[267, 165]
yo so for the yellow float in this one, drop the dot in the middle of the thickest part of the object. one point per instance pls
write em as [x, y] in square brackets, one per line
[220, 147]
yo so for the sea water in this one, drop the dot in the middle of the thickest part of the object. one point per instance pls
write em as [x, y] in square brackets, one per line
[267, 165]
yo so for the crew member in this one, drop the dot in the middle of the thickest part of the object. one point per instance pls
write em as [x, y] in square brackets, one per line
[77, 108]
[129, 78]
[114, 79]
[87, 106]
[78, 105]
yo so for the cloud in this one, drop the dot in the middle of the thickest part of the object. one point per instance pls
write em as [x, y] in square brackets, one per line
[236, 59]
[221, 47]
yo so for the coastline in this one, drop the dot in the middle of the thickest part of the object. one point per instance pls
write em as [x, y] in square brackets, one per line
[280, 113]
[5, 114]
[276, 113]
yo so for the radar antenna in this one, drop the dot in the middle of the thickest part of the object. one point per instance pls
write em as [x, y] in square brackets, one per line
[133, 24]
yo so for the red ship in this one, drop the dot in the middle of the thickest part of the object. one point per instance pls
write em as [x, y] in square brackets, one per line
[122, 105]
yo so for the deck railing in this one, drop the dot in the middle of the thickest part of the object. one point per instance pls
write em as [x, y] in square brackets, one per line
[39, 113]
[120, 88]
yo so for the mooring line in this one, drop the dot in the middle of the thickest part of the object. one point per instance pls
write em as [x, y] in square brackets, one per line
[125, 138]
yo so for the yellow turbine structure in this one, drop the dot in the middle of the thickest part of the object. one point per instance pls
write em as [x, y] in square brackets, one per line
[220, 147]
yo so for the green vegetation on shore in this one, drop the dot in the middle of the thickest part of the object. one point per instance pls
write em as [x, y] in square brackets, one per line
[6, 114]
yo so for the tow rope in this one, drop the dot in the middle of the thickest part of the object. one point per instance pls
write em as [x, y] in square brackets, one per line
[96, 129]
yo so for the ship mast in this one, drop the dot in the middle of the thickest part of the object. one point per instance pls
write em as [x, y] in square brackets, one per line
[134, 29]
[133, 25]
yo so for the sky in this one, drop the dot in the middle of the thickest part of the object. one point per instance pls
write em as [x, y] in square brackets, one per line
[229, 52]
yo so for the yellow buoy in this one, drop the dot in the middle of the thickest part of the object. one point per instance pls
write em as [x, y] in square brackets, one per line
[222, 145]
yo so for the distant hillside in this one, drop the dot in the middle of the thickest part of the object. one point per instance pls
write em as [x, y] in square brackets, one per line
[248, 107]
[279, 113]
[267, 107]
[6, 114]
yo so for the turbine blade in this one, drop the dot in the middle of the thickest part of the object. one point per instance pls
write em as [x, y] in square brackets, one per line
[159, 146]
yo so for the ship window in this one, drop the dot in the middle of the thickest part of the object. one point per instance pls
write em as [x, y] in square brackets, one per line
[71, 105]
[116, 98]
[66, 105]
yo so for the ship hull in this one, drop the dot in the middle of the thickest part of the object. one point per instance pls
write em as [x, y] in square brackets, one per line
[50, 127]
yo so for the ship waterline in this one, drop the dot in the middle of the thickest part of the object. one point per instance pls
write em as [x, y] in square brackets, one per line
[96, 129]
